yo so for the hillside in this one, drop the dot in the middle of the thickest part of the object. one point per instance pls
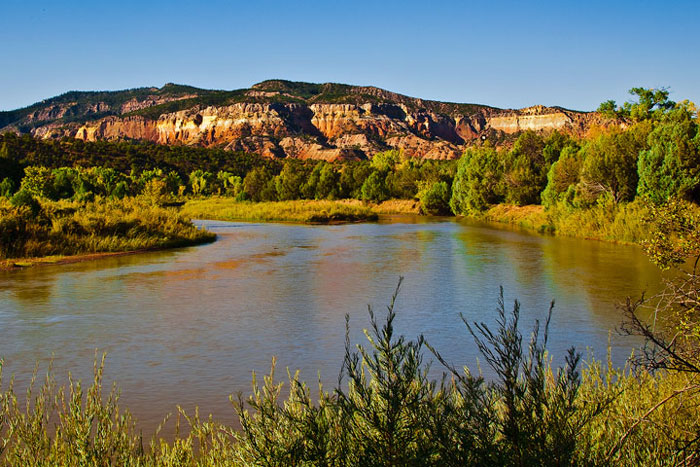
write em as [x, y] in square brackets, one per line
[278, 118]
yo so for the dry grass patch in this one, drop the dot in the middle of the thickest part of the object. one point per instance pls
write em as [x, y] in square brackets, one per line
[299, 211]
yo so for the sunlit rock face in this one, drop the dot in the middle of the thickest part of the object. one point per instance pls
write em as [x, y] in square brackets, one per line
[285, 119]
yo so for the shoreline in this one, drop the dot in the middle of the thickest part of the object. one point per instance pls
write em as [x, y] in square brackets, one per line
[17, 264]
[525, 218]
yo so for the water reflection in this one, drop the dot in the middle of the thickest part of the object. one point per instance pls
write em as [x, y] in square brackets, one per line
[189, 326]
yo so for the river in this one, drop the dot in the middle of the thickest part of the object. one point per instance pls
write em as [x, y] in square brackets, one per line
[189, 326]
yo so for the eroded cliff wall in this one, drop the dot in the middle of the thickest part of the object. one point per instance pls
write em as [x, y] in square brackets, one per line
[305, 129]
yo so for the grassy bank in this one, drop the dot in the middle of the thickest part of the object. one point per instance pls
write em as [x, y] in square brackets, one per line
[397, 206]
[299, 211]
[624, 222]
[389, 414]
[42, 229]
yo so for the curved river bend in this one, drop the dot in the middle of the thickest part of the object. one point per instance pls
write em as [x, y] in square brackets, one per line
[188, 326]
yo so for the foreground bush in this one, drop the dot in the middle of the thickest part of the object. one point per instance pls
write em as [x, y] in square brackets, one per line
[386, 412]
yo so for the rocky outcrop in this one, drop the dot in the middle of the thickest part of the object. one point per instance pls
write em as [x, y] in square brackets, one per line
[425, 149]
[118, 128]
[534, 118]
[132, 105]
[279, 119]
[303, 148]
[58, 111]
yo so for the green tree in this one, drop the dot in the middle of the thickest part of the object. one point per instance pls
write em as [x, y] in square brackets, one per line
[650, 104]
[387, 160]
[63, 181]
[327, 187]
[230, 184]
[269, 191]
[525, 170]
[7, 187]
[352, 178]
[172, 181]
[563, 177]
[403, 181]
[554, 144]
[105, 179]
[670, 167]
[610, 162]
[374, 188]
[289, 182]
[435, 199]
[155, 192]
[38, 181]
[84, 185]
[609, 109]
[202, 182]
[530, 145]
[9, 167]
[308, 188]
[24, 198]
[256, 182]
[477, 182]
[120, 190]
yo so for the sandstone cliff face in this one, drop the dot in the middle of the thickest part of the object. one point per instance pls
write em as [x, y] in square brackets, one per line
[118, 128]
[266, 122]
[541, 118]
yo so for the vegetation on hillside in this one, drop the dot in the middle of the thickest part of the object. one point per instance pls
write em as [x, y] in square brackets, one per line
[83, 105]
[124, 156]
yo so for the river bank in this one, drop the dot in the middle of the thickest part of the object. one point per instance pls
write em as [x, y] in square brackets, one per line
[22, 263]
[296, 211]
[626, 223]
[36, 232]
[47, 232]
[65, 232]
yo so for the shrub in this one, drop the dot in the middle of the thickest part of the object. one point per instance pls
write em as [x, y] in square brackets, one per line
[477, 182]
[670, 168]
[436, 199]
[24, 198]
[374, 188]
[7, 187]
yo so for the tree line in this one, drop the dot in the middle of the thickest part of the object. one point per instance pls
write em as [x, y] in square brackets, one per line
[652, 151]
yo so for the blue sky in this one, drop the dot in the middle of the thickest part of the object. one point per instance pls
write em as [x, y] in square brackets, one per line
[505, 54]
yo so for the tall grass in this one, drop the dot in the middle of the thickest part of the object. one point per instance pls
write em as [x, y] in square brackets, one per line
[103, 225]
[397, 206]
[385, 411]
[617, 222]
[300, 211]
